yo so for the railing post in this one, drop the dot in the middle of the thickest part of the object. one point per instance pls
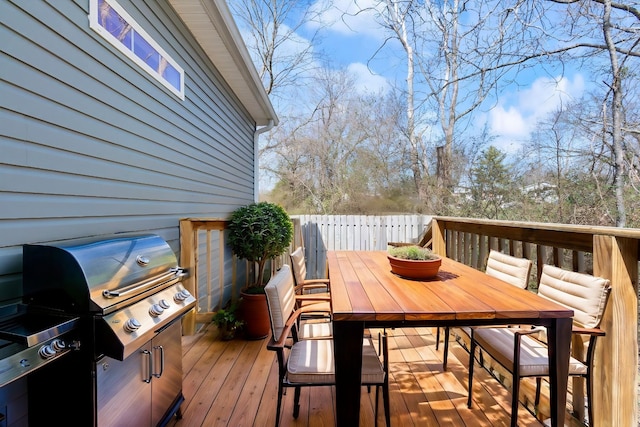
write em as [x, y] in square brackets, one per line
[188, 260]
[616, 360]
[438, 242]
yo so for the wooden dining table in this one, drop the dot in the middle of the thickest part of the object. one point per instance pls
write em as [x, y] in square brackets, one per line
[365, 293]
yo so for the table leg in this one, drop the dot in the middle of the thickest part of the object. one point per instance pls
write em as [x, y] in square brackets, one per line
[347, 341]
[559, 336]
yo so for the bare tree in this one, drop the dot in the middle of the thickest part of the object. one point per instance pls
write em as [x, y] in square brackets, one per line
[620, 28]
[272, 36]
[459, 62]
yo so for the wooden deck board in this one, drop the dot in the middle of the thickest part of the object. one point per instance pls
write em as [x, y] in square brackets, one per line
[234, 383]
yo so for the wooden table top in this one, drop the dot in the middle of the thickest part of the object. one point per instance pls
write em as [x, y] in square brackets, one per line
[364, 289]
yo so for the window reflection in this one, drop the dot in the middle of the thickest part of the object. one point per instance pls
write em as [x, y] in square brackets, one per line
[123, 29]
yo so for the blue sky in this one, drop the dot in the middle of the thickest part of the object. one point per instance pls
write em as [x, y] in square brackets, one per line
[350, 41]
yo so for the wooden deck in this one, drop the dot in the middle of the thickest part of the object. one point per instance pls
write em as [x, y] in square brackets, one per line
[234, 383]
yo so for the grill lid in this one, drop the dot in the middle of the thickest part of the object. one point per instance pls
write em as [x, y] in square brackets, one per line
[98, 275]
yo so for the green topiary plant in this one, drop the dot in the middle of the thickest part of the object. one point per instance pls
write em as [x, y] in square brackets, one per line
[257, 233]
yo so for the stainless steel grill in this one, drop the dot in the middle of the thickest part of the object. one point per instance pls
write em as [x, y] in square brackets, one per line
[30, 340]
[127, 291]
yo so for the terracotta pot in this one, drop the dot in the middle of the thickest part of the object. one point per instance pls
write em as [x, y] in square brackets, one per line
[255, 313]
[415, 269]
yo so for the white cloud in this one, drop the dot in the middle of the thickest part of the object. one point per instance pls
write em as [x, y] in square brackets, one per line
[517, 113]
[367, 82]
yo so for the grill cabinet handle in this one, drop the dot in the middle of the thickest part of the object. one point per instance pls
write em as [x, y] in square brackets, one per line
[161, 351]
[150, 372]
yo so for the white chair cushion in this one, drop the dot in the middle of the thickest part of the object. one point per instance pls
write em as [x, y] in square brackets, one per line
[299, 266]
[534, 355]
[585, 294]
[280, 299]
[311, 361]
[512, 270]
[309, 330]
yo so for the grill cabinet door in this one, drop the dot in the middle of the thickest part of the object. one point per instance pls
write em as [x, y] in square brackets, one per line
[167, 387]
[123, 396]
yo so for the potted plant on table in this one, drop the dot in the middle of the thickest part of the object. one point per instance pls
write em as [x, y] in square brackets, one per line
[258, 232]
[414, 262]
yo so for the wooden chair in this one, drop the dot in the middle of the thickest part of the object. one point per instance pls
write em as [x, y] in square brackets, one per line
[524, 355]
[510, 269]
[283, 293]
[304, 286]
[309, 362]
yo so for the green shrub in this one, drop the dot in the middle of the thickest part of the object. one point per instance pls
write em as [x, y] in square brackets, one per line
[412, 252]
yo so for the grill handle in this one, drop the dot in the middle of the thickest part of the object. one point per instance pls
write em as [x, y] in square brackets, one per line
[161, 351]
[150, 372]
[176, 272]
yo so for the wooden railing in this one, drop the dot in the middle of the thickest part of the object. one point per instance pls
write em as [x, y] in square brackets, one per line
[216, 277]
[608, 252]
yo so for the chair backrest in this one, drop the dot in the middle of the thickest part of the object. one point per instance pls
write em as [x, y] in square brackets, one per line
[583, 293]
[280, 299]
[299, 266]
[510, 269]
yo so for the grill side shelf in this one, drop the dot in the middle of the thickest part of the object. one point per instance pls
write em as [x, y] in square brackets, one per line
[32, 329]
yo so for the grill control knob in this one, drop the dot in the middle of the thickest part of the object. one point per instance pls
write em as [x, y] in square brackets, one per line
[46, 352]
[58, 345]
[131, 325]
[156, 310]
[181, 296]
[164, 304]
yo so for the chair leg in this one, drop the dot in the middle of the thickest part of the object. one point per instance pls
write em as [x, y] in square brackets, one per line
[472, 350]
[445, 356]
[589, 401]
[538, 386]
[279, 404]
[385, 401]
[514, 399]
[296, 403]
[375, 411]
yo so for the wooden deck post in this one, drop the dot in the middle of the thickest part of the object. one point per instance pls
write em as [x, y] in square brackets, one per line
[438, 239]
[188, 254]
[616, 360]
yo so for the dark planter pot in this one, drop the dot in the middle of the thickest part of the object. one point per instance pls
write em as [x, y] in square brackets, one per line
[415, 269]
[255, 313]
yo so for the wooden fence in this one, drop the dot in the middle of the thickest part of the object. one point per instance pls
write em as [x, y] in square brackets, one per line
[321, 233]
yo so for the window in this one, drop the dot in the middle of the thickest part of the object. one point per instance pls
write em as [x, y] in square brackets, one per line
[113, 23]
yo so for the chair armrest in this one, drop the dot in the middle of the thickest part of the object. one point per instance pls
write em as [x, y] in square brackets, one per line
[525, 331]
[282, 339]
[312, 297]
[316, 282]
[588, 331]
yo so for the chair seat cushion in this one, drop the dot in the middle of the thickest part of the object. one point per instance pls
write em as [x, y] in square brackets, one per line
[320, 329]
[534, 355]
[311, 362]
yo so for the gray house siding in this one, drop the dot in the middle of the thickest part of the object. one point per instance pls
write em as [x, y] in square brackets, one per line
[90, 144]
